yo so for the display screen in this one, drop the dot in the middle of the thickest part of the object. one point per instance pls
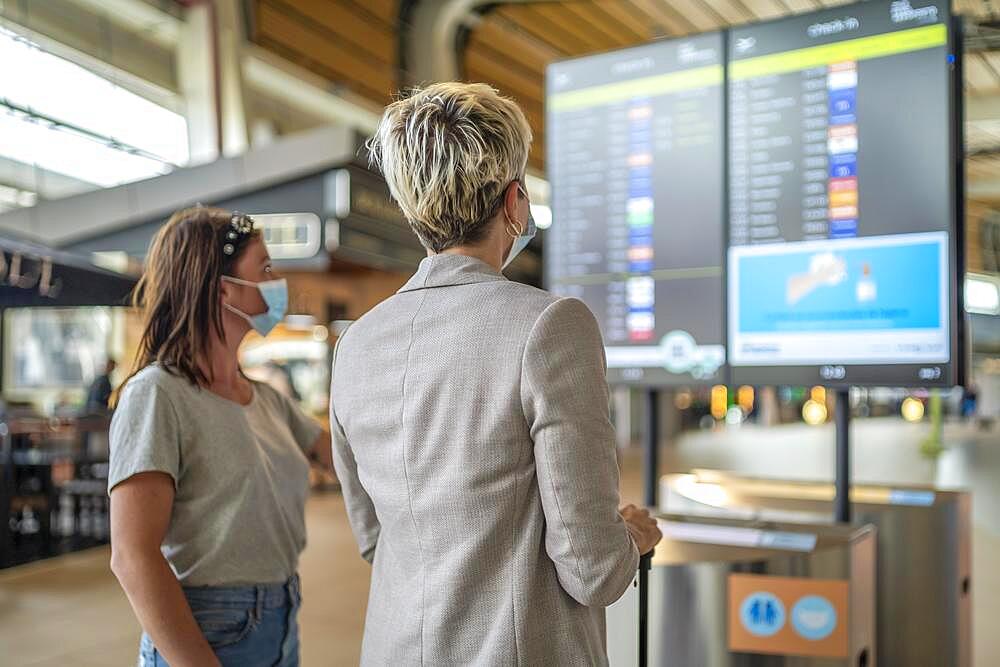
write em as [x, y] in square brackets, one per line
[636, 163]
[64, 348]
[842, 197]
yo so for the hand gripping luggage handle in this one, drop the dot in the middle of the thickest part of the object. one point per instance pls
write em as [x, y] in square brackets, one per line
[645, 565]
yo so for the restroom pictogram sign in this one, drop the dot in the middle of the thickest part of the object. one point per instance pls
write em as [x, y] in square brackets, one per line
[788, 615]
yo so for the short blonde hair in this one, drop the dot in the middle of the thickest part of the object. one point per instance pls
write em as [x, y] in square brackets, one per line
[448, 152]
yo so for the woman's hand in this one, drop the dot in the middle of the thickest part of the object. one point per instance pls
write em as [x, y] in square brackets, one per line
[642, 527]
[322, 451]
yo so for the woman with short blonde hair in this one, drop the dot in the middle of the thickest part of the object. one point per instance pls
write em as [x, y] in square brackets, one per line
[470, 417]
[447, 153]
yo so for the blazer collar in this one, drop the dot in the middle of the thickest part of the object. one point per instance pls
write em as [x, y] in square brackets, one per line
[446, 270]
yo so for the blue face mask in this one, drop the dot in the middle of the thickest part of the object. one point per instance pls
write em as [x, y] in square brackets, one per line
[522, 240]
[275, 295]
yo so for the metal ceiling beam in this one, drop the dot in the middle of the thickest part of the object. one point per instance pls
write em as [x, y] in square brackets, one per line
[296, 87]
[431, 35]
[156, 21]
[47, 184]
[87, 215]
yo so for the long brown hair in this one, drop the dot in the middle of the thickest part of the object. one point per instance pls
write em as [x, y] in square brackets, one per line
[178, 293]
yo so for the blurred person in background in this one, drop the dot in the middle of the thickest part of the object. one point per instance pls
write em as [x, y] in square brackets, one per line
[99, 394]
[470, 418]
[970, 397]
[209, 470]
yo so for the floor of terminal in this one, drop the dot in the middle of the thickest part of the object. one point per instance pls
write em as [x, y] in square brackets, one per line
[70, 610]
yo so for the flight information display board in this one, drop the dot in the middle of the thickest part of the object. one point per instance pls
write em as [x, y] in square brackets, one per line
[842, 250]
[636, 163]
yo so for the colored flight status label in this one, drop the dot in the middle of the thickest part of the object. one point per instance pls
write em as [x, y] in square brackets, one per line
[788, 616]
[640, 296]
[842, 145]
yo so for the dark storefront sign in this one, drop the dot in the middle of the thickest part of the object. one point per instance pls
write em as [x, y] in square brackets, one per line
[369, 228]
[32, 275]
[366, 226]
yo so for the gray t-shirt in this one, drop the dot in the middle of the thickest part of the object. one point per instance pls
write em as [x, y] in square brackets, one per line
[240, 472]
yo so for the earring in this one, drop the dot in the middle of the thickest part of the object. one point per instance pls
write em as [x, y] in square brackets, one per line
[513, 230]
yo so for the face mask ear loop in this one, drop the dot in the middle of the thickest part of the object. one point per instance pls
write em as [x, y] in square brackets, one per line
[232, 309]
[237, 312]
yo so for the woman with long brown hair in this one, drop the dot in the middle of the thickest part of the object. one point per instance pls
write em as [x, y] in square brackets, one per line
[209, 470]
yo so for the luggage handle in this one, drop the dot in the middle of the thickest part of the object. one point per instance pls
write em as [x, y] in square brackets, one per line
[645, 565]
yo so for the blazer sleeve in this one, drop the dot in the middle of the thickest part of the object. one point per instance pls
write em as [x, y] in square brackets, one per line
[565, 396]
[360, 509]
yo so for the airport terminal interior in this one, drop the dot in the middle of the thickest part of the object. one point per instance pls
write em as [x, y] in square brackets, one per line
[784, 216]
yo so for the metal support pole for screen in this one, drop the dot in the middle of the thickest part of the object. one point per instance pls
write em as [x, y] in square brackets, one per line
[651, 466]
[650, 444]
[842, 481]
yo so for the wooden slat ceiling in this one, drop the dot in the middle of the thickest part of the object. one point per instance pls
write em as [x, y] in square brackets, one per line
[350, 42]
[512, 45]
[354, 43]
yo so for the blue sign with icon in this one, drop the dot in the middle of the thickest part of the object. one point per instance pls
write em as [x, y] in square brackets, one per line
[762, 614]
[814, 617]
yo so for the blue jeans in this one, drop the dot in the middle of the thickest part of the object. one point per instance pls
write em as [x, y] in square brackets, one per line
[246, 626]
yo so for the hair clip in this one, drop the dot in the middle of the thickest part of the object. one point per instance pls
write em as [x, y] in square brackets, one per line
[242, 223]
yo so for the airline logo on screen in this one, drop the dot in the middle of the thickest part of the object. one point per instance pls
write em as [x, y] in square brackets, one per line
[745, 45]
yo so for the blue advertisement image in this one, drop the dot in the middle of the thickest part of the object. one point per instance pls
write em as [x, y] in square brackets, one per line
[837, 288]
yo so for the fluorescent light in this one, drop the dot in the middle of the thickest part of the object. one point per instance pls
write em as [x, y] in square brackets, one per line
[70, 154]
[982, 295]
[11, 198]
[58, 89]
[542, 215]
